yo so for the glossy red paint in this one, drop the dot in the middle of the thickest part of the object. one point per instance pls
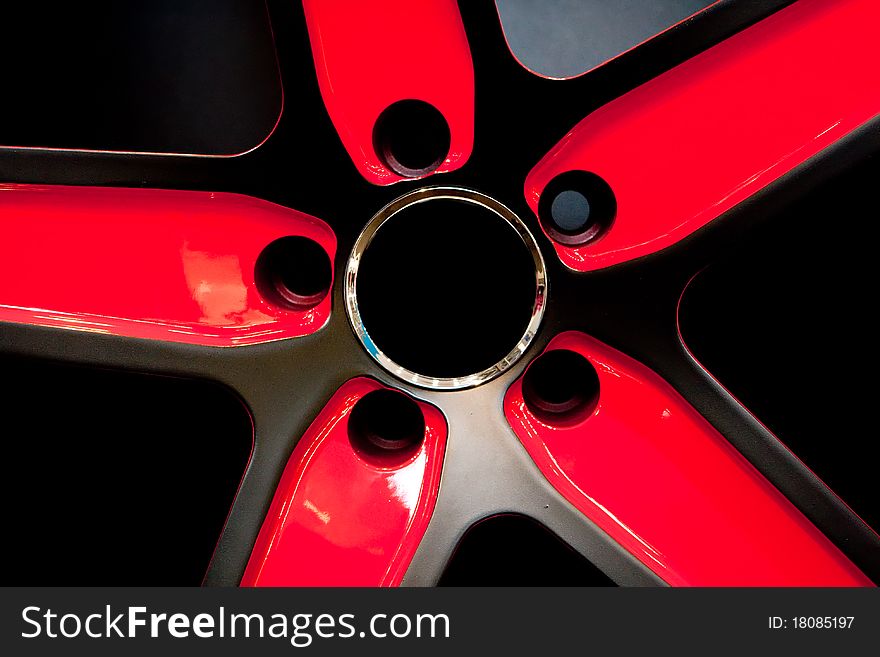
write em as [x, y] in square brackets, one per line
[404, 50]
[337, 520]
[156, 264]
[662, 482]
[692, 143]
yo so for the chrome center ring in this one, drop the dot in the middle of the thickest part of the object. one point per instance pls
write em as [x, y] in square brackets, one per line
[427, 195]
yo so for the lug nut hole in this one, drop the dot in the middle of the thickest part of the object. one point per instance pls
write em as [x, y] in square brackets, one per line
[412, 138]
[386, 428]
[294, 273]
[561, 387]
[576, 207]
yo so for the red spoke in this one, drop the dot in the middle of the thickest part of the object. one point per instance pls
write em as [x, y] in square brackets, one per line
[164, 265]
[345, 513]
[642, 464]
[370, 56]
[689, 145]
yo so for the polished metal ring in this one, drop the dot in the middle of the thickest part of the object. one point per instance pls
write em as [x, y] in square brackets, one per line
[363, 241]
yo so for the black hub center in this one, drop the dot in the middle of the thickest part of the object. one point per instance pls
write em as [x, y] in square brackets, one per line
[446, 287]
